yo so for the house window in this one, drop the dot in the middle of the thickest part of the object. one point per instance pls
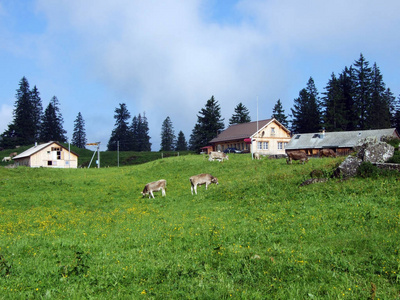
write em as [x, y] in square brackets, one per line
[265, 146]
[259, 145]
[58, 150]
[285, 145]
[280, 145]
[49, 163]
[272, 131]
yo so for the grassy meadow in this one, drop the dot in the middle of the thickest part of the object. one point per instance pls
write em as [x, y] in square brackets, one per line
[89, 233]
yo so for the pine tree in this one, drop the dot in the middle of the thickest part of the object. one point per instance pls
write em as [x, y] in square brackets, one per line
[167, 136]
[79, 134]
[121, 132]
[362, 90]
[241, 115]
[22, 129]
[208, 126]
[306, 112]
[134, 145]
[347, 89]
[37, 111]
[52, 125]
[181, 144]
[142, 137]
[279, 113]
[333, 106]
[395, 120]
[378, 112]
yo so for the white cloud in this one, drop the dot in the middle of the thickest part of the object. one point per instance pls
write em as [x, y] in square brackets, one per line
[167, 58]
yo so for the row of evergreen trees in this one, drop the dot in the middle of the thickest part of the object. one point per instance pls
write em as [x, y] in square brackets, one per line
[30, 124]
[135, 136]
[356, 99]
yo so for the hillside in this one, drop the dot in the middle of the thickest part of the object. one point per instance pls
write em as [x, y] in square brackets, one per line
[107, 158]
[89, 233]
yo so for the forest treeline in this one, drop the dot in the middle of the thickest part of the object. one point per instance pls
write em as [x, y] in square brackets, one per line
[355, 99]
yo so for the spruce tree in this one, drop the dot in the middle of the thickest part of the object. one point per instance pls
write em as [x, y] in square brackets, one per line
[241, 115]
[333, 106]
[306, 112]
[181, 144]
[142, 137]
[279, 113]
[362, 90]
[121, 132]
[37, 111]
[134, 146]
[378, 112]
[22, 130]
[347, 90]
[79, 134]
[167, 136]
[208, 126]
[52, 125]
[395, 120]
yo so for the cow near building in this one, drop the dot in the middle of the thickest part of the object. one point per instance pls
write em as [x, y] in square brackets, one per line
[201, 179]
[221, 156]
[155, 186]
[327, 153]
[296, 155]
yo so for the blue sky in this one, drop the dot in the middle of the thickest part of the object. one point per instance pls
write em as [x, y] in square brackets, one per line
[167, 58]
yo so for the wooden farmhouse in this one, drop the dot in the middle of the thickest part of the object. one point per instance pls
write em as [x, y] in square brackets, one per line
[267, 137]
[48, 155]
[342, 142]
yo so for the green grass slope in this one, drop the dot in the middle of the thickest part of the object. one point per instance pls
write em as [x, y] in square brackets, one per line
[88, 233]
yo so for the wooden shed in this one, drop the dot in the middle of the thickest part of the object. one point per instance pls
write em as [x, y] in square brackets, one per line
[48, 155]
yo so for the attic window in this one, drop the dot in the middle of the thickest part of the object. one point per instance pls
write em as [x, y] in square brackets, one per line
[315, 136]
[297, 137]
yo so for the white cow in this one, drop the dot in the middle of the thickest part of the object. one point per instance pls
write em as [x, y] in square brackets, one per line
[155, 186]
[217, 155]
[201, 179]
[257, 155]
[6, 158]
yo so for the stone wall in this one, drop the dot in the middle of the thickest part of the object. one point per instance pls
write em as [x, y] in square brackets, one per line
[386, 166]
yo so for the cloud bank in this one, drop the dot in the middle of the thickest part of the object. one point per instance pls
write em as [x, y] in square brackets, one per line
[167, 58]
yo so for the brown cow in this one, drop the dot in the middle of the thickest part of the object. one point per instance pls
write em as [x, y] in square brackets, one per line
[296, 155]
[13, 154]
[201, 179]
[327, 153]
[155, 186]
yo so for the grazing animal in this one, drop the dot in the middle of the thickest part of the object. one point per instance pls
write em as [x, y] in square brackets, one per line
[296, 155]
[155, 186]
[217, 155]
[201, 179]
[13, 154]
[6, 158]
[257, 155]
[327, 153]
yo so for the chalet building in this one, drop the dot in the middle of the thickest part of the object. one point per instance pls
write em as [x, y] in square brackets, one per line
[342, 142]
[48, 155]
[267, 137]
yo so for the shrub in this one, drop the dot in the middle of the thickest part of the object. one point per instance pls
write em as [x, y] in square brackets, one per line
[367, 170]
